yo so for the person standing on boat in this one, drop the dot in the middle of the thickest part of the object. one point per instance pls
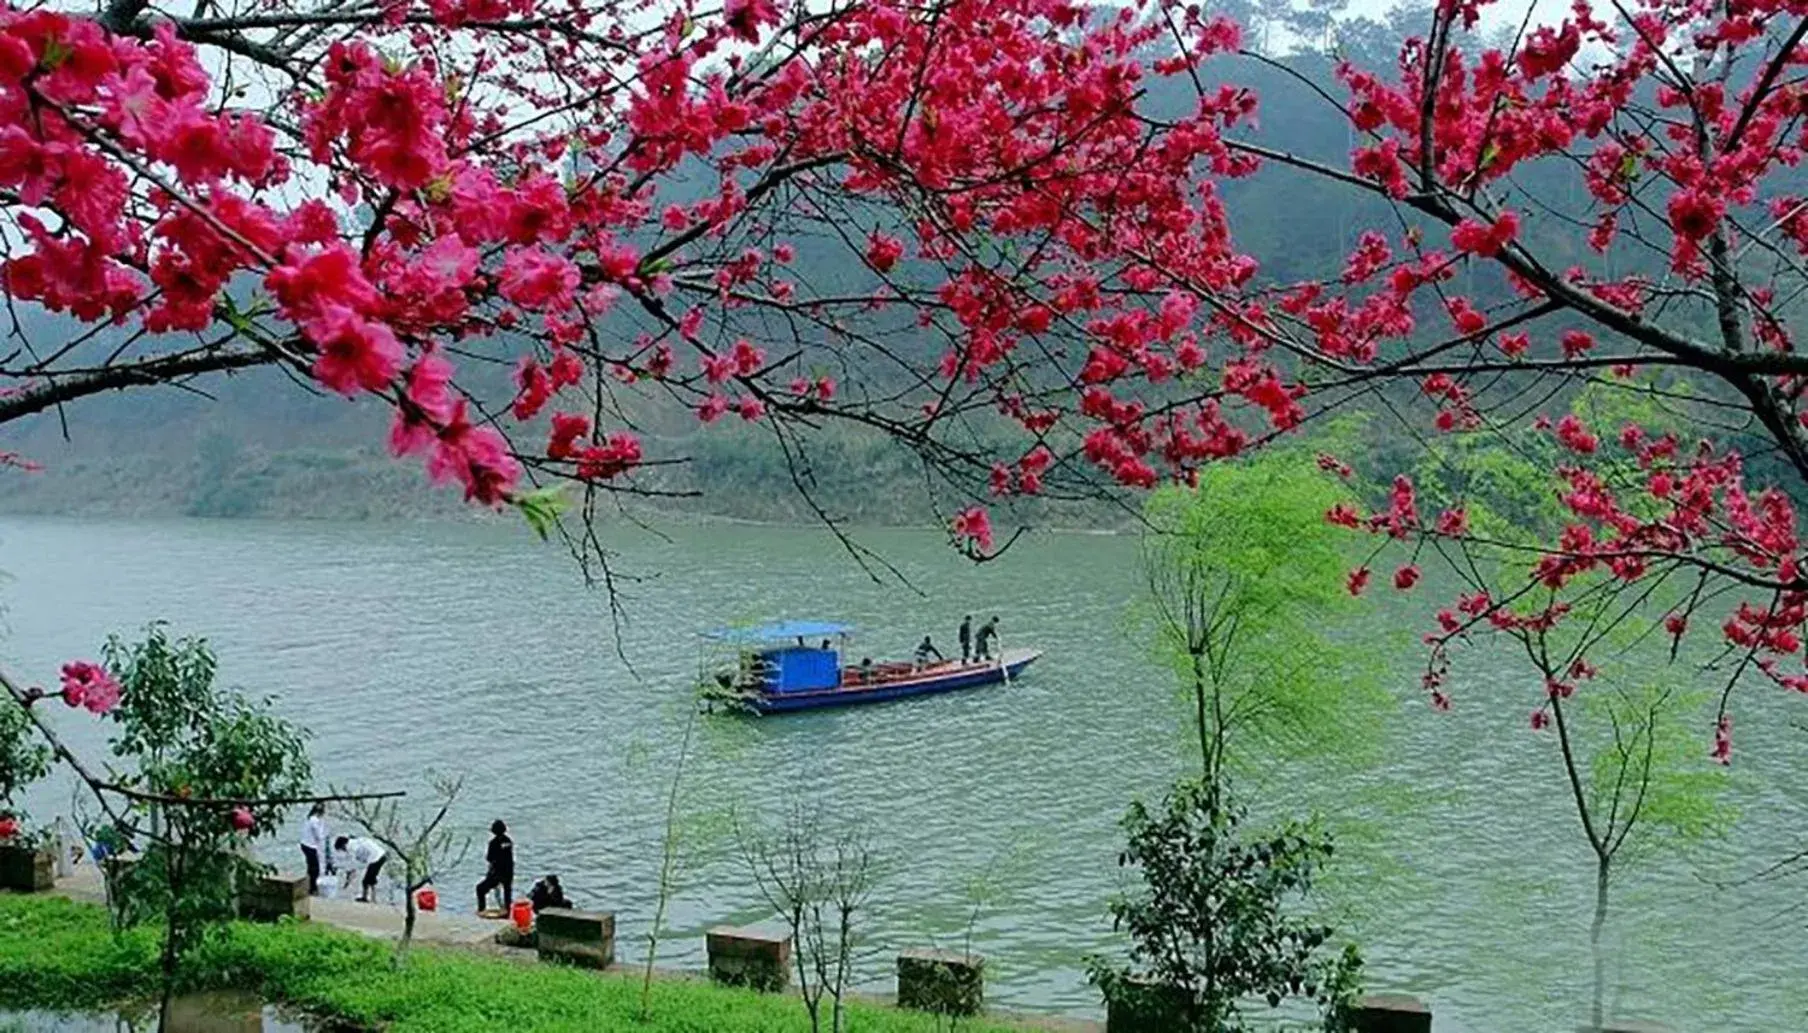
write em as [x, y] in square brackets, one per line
[501, 859]
[925, 650]
[988, 635]
[367, 854]
[314, 849]
[966, 638]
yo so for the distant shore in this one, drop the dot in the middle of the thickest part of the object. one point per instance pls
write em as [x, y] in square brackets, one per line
[10, 506]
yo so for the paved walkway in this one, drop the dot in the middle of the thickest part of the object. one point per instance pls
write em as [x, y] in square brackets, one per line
[382, 921]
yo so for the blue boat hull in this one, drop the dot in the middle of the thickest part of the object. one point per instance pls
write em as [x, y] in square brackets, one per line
[928, 683]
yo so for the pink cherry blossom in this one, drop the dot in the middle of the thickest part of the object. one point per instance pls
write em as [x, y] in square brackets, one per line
[89, 685]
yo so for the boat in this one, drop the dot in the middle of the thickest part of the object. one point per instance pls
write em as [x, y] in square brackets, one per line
[798, 665]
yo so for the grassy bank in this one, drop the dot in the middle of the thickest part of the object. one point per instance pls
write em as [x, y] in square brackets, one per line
[59, 955]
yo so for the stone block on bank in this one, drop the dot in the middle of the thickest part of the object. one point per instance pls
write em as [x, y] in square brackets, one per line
[1390, 1013]
[749, 957]
[27, 870]
[1147, 1007]
[274, 897]
[584, 938]
[942, 982]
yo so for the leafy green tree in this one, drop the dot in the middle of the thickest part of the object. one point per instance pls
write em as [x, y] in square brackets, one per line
[23, 760]
[1642, 786]
[1627, 723]
[180, 739]
[1245, 594]
[1216, 923]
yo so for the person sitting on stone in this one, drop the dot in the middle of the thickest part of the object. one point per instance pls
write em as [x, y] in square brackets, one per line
[548, 893]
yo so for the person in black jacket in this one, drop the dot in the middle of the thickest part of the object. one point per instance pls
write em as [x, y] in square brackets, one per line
[925, 650]
[988, 636]
[501, 859]
[966, 638]
[548, 893]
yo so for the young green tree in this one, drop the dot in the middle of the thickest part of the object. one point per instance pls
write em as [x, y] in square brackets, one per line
[1623, 698]
[1246, 587]
[1216, 924]
[179, 737]
[1642, 786]
[1245, 591]
[23, 760]
[671, 860]
[422, 842]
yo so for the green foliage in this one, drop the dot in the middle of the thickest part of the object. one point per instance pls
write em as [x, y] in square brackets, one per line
[1217, 924]
[178, 735]
[542, 508]
[1650, 786]
[56, 954]
[1503, 479]
[1246, 591]
[23, 758]
[1503, 483]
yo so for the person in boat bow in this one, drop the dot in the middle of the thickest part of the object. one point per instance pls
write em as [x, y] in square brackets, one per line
[925, 650]
[966, 638]
[988, 636]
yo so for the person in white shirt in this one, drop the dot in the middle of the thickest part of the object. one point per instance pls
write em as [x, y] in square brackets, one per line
[366, 854]
[314, 849]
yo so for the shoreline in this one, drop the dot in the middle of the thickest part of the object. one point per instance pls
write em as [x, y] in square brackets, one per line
[475, 937]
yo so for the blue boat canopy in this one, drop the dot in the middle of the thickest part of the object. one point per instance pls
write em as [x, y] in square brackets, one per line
[782, 631]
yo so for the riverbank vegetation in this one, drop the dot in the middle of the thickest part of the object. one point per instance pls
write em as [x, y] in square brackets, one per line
[1244, 587]
[60, 955]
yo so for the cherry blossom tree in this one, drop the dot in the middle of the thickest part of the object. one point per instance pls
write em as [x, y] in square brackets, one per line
[1043, 290]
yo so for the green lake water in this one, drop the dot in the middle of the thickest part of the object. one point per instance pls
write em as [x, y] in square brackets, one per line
[475, 649]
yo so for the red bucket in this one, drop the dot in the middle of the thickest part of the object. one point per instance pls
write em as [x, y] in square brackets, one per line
[524, 915]
[427, 899]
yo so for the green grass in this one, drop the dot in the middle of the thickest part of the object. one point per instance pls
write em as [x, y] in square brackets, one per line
[60, 955]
